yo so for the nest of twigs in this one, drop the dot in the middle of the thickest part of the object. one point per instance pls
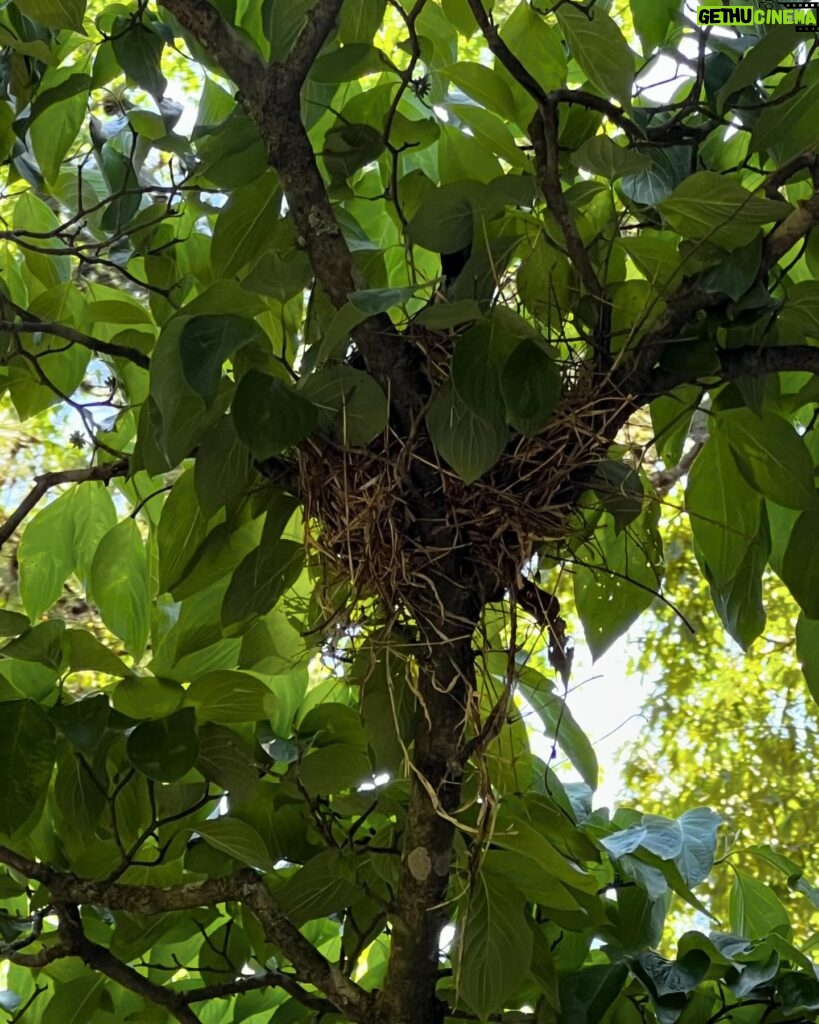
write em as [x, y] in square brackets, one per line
[357, 501]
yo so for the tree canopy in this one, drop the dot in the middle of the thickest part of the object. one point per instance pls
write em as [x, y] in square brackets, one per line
[353, 344]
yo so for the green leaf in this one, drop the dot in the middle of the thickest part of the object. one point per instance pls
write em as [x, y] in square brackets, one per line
[483, 85]
[586, 995]
[444, 221]
[469, 443]
[223, 470]
[739, 603]
[352, 405]
[46, 555]
[800, 566]
[334, 769]
[261, 579]
[86, 654]
[13, 623]
[271, 416]
[139, 52]
[755, 910]
[53, 130]
[207, 341]
[347, 63]
[599, 47]
[238, 839]
[182, 529]
[230, 697]
[244, 227]
[530, 384]
[709, 206]
[360, 20]
[145, 697]
[798, 991]
[320, 888]
[41, 644]
[699, 842]
[495, 945]
[617, 580]
[32, 214]
[620, 490]
[807, 650]
[652, 19]
[601, 155]
[121, 585]
[476, 370]
[537, 46]
[27, 753]
[166, 749]
[56, 14]
[756, 63]
[224, 758]
[787, 125]
[723, 509]
[771, 455]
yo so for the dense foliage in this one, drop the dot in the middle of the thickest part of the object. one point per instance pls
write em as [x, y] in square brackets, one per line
[345, 337]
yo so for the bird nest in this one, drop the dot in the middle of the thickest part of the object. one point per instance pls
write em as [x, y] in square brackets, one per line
[358, 502]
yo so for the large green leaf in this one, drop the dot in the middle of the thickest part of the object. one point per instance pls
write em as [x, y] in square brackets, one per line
[244, 227]
[56, 14]
[787, 126]
[599, 47]
[321, 887]
[755, 909]
[27, 751]
[723, 509]
[121, 585]
[238, 839]
[270, 416]
[46, 555]
[352, 405]
[772, 456]
[165, 749]
[230, 697]
[469, 443]
[616, 579]
[530, 383]
[708, 206]
[495, 944]
[53, 130]
[207, 341]
[800, 566]
[182, 528]
[536, 45]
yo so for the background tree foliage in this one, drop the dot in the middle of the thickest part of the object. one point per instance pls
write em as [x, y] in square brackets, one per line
[411, 322]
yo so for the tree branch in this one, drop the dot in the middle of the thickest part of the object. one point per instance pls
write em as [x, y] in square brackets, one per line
[737, 362]
[234, 51]
[31, 324]
[543, 132]
[98, 958]
[270, 979]
[46, 481]
[244, 886]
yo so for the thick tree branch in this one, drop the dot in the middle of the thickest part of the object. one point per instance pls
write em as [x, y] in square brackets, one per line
[738, 362]
[98, 958]
[105, 472]
[234, 51]
[245, 887]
